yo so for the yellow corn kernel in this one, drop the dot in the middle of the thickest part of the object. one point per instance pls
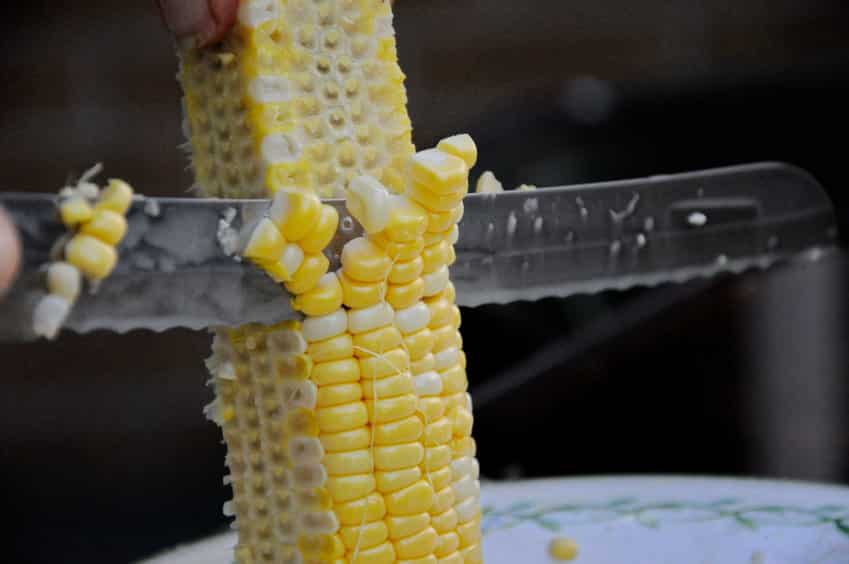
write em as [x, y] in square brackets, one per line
[563, 549]
[345, 440]
[446, 337]
[462, 146]
[334, 348]
[441, 478]
[403, 526]
[401, 296]
[444, 522]
[342, 417]
[347, 463]
[469, 532]
[295, 212]
[359, 295]
[390, 362]
[440, 311]
[364, 261]
[396, 432]
[439, 432]
[342, 371]
[396, 457]
[380, 554]
[308, 275]
[440, 221]
[437, 457]
[464, 446]
[394, 480]
[438, 170]
[339, 394]
[435, 237]
[436, 256]
[365, 537]
[391, 409]
[413, 499]
[437, 202]
[429, 559]
[442, 500]
[455, 400]
[116, 196]
[454, 558]
[74, 211]
[324, 299]
[454, 380]
[338, 550]
[472, 554]
[432, 408]
[398, 252]
[107, 225]
[94, 258]
[423, 364]
[448, 544]
[406, 271]
[419, 344]
[461, 422]
[377, 341]
[390, 387]
[322, 232]
[265, 243]
[417, 545]
[407, 221]
[352, 512]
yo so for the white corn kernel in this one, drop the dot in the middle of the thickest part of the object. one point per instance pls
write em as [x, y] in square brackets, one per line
[49, 314]
[64, 280]
[368, 201]
[413, 318]
[465, 466]
[428, 384]
[465, 488]
[325, 326]
[436, 281]
[446, 358]
[467, 509]
[366, 319]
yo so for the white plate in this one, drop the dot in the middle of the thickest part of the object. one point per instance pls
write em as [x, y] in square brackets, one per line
[652, 520]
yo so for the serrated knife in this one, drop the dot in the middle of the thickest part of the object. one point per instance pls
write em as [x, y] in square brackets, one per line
[176, 267]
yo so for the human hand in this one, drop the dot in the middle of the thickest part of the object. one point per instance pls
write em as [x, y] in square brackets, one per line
[10, 252]
[208, 21]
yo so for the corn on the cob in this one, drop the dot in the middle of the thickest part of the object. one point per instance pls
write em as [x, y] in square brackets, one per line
[349, 434]
[95, 219]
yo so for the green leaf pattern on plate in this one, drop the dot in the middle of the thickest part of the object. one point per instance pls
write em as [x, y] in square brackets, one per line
[653, 515]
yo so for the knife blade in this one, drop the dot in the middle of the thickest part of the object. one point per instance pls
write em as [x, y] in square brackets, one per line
[177, 266]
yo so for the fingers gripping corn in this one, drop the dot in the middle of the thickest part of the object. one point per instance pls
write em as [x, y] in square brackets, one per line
[348, 434]
[96, 224]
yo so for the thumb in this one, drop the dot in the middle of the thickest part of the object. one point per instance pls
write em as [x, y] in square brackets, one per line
[10, 252]
[206, 20]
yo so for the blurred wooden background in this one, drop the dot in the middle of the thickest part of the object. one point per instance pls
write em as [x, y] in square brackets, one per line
[104, 453]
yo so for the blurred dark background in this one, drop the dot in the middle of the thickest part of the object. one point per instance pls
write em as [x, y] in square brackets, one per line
[104, 453]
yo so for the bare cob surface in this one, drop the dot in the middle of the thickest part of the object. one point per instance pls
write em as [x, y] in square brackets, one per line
[349, 434]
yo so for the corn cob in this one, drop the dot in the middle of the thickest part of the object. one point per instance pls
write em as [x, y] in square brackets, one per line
[96, 224]
[348, 434]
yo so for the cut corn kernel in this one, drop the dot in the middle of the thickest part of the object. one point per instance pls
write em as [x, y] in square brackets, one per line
[460, 146]
[116, 196]
[107, 225]
[64, 280]
[94, 258]
[75, 211]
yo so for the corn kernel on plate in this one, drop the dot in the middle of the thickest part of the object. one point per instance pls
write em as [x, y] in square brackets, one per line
[643, 520]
